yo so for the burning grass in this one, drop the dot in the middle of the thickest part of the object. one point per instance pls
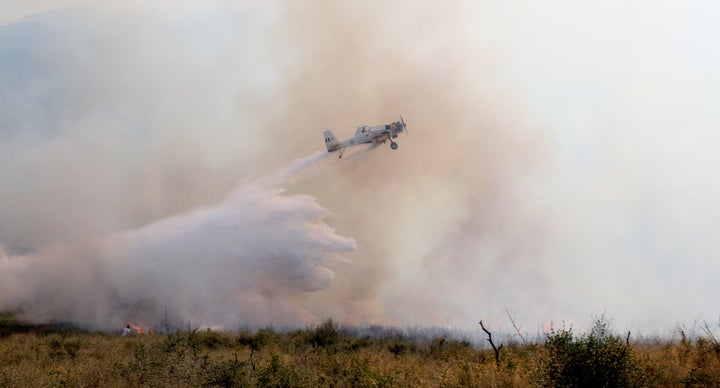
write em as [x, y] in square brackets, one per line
[330, 355]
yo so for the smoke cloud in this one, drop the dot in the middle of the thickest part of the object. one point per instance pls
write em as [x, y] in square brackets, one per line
[555, 167]
[118, 121]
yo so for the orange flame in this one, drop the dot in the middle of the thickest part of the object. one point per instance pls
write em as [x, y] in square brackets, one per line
[140, 328]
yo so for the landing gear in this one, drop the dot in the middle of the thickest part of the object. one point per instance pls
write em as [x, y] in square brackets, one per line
[341, 152]
[393, 145]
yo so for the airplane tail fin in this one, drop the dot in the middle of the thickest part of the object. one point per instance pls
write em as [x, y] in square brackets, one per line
[331, 142]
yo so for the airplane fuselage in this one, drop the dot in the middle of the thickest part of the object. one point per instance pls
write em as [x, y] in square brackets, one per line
[365, 134]
[376, 135]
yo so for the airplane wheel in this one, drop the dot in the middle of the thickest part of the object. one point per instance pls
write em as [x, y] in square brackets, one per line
[393, 145]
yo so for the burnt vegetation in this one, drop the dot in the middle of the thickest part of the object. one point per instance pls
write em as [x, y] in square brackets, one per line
[329, 354]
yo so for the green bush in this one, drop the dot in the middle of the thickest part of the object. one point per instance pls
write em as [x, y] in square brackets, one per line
[397, 348]
[598, 359]
[325, 335]
[211, 339]
[226, 374]
[276, 374]
[267, 336]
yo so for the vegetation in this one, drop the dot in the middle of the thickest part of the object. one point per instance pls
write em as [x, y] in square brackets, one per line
[332, 355]
[598, 359]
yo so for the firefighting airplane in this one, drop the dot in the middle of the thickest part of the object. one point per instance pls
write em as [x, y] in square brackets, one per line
[364, 134]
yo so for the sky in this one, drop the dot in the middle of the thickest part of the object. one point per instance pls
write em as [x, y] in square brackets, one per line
[559, 163]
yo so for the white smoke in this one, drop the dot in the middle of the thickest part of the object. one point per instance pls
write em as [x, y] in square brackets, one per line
[244, 260]
[559, 163]
[117, 120]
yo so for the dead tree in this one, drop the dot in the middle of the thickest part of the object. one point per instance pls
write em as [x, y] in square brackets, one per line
[496, 349]
[517, 329]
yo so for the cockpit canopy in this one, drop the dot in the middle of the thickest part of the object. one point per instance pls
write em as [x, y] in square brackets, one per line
[362, 129]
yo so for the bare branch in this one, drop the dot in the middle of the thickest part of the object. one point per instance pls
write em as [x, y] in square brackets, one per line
[706, 328]
[495, 349]
[517, 328]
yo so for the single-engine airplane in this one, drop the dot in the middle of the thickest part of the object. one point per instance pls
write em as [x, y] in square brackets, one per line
[364, 134]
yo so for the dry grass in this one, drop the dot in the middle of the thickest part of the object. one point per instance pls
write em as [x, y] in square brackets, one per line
[315, 357]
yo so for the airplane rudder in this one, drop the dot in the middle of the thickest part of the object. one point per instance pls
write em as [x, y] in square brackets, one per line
[330, 140]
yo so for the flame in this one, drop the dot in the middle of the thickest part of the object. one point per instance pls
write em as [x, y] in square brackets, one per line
[140, 328]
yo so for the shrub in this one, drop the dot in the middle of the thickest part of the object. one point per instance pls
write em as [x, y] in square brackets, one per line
[249, 340]
[267, 336]
[324, 335]
[397, 348]
[275, 374]
[212, 339]
[226, 374]
[598, 359]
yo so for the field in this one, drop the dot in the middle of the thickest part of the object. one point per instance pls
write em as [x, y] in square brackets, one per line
[332, 355]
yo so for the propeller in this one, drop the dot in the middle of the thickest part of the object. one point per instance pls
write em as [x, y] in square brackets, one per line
[404, 125]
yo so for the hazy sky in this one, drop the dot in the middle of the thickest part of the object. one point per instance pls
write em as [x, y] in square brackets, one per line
[560, 163]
